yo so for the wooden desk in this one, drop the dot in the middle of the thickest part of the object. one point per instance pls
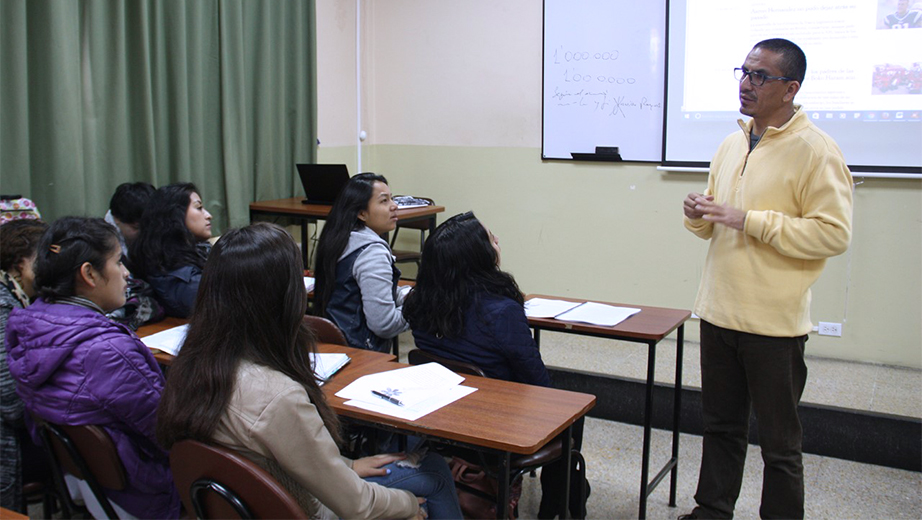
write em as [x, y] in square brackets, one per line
[649, 326]
[306, 213]
[6, 514]
[501, 417]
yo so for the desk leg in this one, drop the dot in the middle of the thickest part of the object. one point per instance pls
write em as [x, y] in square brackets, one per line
[502, 494]
[647, 423]
[567, 446]
[676, 412]
[538, 338]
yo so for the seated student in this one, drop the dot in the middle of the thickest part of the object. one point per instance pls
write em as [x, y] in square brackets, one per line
[18, 240]
[464, 307]
[356, 278]
[125, 209]
[245, 358]
[171, 249]
[73, 366]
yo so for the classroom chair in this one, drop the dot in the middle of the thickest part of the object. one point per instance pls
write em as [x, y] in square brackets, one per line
[519, 465]
[405, 256]
[325, 330]
[216, 482]
[84, 462]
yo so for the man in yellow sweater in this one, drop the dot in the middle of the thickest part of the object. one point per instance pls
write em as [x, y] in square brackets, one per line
[777, 205]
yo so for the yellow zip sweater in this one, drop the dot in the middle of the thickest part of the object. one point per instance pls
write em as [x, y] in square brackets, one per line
[797, 194]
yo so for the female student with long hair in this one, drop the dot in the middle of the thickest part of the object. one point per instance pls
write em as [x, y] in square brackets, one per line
[74, 366]
[245, 358]
[356, 279]
[464, 307]
[171, 249]
[18, 241]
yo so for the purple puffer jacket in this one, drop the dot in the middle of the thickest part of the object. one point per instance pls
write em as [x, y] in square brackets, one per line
[73, 366]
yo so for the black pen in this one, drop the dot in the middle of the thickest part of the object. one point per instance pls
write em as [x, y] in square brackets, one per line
[386, 397]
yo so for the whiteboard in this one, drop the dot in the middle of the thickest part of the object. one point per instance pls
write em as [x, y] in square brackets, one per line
[604, 77]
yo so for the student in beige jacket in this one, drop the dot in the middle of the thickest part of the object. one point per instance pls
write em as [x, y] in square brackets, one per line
[245, 361]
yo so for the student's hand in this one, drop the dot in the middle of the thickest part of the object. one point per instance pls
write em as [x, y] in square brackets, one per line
[421, 513]
[372, 466]
[691, 202]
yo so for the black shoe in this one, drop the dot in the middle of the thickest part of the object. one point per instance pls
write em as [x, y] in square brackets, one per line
[689, 516]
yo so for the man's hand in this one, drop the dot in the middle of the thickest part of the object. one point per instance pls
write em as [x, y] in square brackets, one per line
[720, 213]
[372, 466]
[691, 202]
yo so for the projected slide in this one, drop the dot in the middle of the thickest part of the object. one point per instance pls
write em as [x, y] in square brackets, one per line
[863, 83]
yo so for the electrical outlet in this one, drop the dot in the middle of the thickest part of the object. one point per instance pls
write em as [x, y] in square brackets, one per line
[830, 329]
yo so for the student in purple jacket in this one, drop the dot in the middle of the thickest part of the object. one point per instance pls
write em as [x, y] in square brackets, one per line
[464, 307]
[74, 366]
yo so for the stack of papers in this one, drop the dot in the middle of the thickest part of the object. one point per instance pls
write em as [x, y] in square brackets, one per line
[586, 312]
[327, 364]
[169, 340]
[408, 393]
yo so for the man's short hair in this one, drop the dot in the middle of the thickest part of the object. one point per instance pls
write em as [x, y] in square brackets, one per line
[793, 59]
[129, 200]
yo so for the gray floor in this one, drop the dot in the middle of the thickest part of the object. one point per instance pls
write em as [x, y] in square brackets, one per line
[834, 488]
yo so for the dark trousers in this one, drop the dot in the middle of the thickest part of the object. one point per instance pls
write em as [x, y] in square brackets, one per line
[740, 371]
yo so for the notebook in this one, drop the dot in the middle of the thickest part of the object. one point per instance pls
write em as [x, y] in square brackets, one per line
[322, 182]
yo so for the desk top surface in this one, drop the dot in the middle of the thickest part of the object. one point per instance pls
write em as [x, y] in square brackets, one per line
[294, 206]
[501, 415]
[651, 323]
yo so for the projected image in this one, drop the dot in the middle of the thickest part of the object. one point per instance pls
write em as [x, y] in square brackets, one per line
[891, 79]
[899, 14]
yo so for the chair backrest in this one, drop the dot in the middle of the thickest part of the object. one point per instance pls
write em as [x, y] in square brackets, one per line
[325, 330]
[217, 482]
[88, 453]
[418, 357]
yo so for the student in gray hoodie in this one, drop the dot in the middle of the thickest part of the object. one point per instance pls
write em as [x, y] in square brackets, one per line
[356, 278]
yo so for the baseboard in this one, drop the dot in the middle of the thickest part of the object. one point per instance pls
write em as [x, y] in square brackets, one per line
[875, 438]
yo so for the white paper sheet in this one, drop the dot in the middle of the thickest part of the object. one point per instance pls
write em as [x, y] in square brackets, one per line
[598, 314]
[309, 283]
[544, 308]
[410, 385]
[169, 340]
[412, 413]
[327, 364]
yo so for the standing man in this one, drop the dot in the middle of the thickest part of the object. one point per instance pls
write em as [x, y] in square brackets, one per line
[778, 204]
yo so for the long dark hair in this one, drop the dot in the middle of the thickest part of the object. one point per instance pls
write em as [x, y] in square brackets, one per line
[250, 306]
[67, 244]
[458, 265]
[165, 243]
[343, 220]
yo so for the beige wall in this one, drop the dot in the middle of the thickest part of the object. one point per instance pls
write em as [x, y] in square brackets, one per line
[452, 106]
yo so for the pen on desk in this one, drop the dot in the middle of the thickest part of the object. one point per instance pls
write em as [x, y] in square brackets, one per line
[386, 397]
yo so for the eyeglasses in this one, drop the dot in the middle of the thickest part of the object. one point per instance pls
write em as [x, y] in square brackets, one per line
[757, 79]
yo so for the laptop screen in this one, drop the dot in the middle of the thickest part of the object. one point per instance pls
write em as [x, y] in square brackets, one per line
[322, 182]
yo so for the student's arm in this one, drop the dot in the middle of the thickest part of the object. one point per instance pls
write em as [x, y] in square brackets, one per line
[124, 378]
[291, 432]
[374, 272]
[513, 335]
[11, 406]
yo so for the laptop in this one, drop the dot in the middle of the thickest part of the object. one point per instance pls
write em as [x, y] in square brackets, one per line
[322, 182]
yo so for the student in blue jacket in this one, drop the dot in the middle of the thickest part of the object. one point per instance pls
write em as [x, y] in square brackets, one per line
[464, 307]
[172, 247]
